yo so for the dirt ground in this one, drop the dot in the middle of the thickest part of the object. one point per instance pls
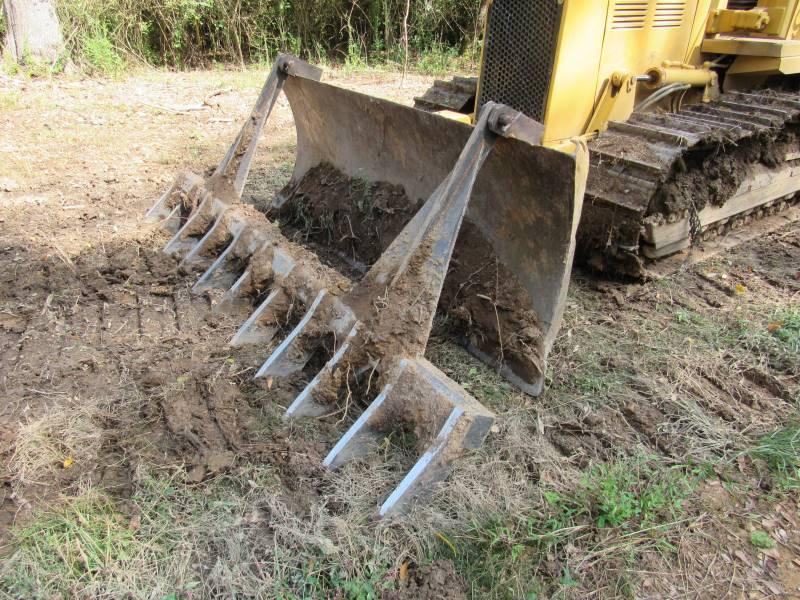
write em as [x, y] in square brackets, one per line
[108, 363]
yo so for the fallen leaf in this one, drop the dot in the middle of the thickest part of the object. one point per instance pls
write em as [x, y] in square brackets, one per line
[404, 572]
[449, 544]
[68, 462]
[135, 523]
[740, 289]
[269, 383]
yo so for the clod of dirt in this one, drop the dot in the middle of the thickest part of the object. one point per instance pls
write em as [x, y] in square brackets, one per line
[349, 222]
[436, 581]
[202, 416]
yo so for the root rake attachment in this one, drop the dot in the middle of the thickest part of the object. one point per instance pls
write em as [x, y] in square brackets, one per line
[369, 337]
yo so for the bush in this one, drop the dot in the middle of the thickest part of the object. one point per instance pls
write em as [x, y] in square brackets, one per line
[189, 33]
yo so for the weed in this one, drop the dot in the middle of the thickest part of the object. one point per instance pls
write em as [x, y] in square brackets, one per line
[512, 556]
[761, 540]
[635, 494]
[776, 337]
[185, 33]
[69, 547]
[785, 327]
[361, 189]
[101, 55]
[155, 545]
[10, 99]
[780, 450]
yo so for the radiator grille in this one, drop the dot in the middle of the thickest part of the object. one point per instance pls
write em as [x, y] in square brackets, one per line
[629, 14]
[669, 14]
[519, 52]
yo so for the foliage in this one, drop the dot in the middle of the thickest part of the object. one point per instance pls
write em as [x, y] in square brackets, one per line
[635, 501]
[634, 494]
[780, 450]
[187, 33]
[152, 545]
[775, 336]
[761, 540]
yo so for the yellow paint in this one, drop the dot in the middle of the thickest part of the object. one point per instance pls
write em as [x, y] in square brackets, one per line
[455, 116]
[602, 39]
[750, 46]
[757, 65]
[616, 102]
[728, 21]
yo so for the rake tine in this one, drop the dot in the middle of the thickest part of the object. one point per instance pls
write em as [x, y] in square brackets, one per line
[356, 441]
[232, 295]
[429, 466]
[173, 220]
[205, 280]
[177, 243]
[251, 332]
[160, 209]
[305, 405]
[194, 255]
[280, 362]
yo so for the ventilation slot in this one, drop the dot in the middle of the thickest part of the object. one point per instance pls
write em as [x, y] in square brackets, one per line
[742, 4]
[669, 14]
[629, 14]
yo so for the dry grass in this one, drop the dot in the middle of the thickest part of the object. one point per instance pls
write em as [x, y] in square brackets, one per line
[67, 436]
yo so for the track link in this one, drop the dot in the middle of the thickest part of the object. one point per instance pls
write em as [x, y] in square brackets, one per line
[661, 182]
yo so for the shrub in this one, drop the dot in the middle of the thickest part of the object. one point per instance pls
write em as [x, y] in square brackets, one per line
[188, 33]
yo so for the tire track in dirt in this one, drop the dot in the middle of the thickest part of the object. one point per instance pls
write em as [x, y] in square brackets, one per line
[119, 324]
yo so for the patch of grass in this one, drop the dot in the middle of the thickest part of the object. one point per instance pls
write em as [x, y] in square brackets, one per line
[780, 450]
[485, 384]
[775, 336]
[64, 550]
[9, 99]
[593, 381]
[623, 506]
[785, 327]
[635, 494]
[230, 536]
[761, 540]
[101, 55]
[67, 436]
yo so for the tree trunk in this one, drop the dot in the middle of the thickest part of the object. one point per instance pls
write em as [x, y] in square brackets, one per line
[32, 30]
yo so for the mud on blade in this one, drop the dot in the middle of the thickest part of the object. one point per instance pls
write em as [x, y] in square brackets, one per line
[482, 225]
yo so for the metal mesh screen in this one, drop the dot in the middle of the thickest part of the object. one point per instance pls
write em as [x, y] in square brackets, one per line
[519, 51]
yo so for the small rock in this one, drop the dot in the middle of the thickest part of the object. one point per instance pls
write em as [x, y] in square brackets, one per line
[197, 474]
[8, 185]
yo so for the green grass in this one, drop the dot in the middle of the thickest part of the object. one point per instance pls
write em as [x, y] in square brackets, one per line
[775, 335]
[67, 548]
[780, 451]
[100, 55]
[172, 539]
[761, 540]
[9, 99]
[635, 503]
